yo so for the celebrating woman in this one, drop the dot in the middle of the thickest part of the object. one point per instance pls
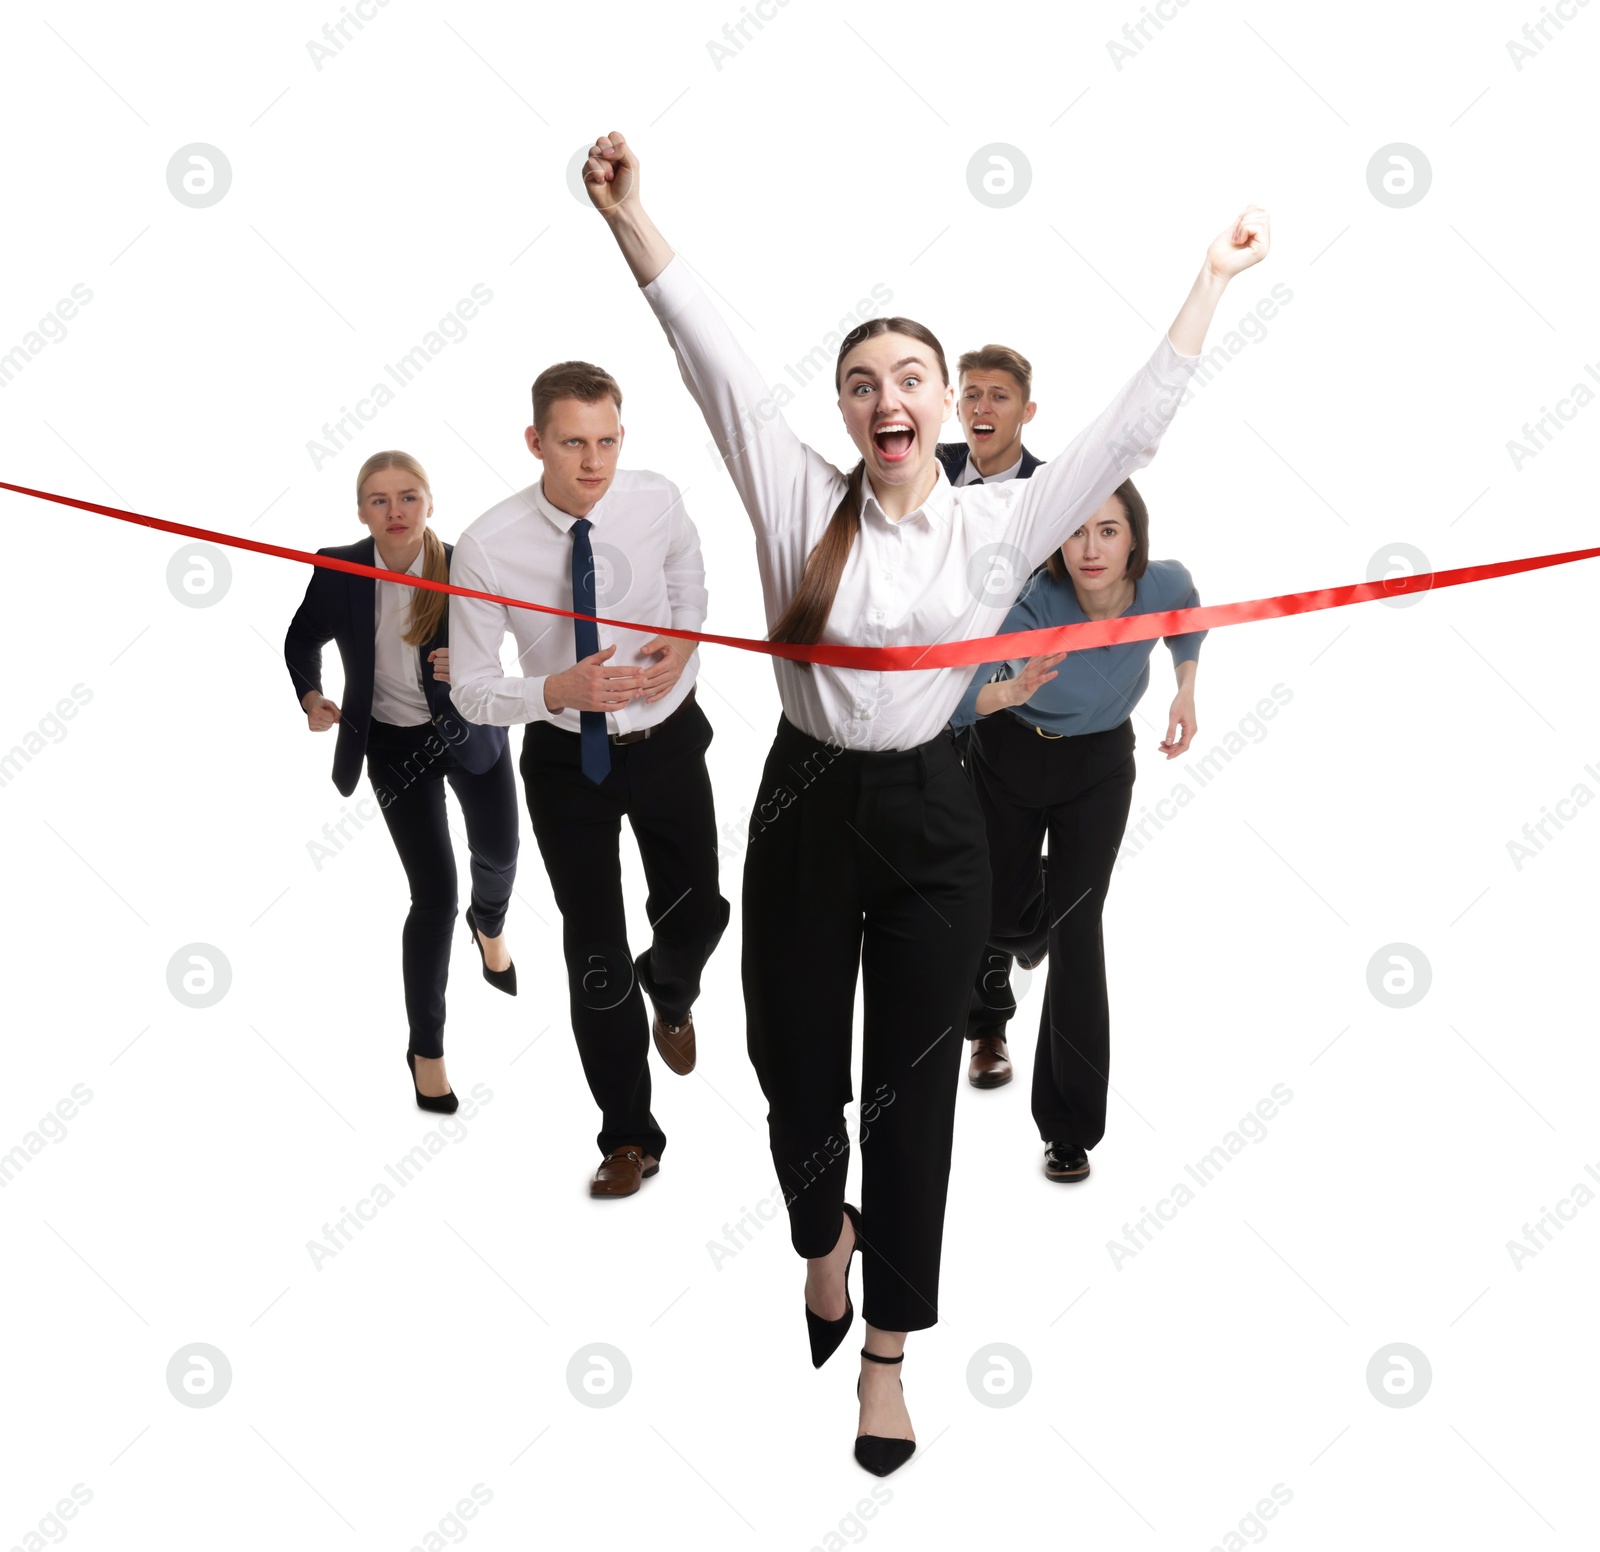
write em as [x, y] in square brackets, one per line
[394, 643]
[1053, 752]
[866, 841]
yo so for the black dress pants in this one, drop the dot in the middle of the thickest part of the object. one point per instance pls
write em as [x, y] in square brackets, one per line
[661, 784]
[408, 767]
[1077, 790]
[876, 860]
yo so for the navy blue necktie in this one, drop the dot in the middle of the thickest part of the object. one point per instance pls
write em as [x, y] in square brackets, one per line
[595, 748]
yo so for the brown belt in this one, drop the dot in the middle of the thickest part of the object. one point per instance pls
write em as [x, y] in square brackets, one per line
[638, 735]
[1034, 725]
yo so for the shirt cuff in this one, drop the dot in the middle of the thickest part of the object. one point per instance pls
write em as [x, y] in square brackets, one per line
[1173, 358]
[673, 290]
[533, 694]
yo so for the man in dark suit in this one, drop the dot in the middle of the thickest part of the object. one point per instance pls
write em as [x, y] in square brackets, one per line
[994, 405]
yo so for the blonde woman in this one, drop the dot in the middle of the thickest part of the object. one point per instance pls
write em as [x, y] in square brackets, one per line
[394, 643]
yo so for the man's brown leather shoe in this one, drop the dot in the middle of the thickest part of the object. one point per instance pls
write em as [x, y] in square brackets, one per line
[621, 1170]
[991, 1063]
[675, 1042]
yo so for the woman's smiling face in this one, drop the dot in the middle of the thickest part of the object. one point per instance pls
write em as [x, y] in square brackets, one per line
[894, 399]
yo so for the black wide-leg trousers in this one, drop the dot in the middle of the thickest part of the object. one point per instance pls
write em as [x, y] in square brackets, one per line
[408, 768]
[874, 860]
[661, 784]
[1077, 791]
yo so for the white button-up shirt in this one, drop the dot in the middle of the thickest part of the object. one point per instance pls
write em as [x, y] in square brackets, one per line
[397, 695]
[947, 571]
[647, 568]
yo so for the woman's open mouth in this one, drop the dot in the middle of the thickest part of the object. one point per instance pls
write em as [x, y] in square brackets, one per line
[893, 440]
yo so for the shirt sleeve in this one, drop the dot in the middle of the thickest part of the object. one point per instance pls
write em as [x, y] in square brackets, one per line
[1185, 648]
[479, 687]
[685, 568]
[1122, 438]
[778, 477]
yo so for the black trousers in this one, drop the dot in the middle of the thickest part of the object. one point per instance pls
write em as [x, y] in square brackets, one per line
[876, 860]
[408, 767]
[661, 784]
[1078, 791]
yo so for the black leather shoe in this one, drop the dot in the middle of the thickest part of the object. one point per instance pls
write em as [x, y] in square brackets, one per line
[442, 1104]
[502, 980]
[826, 1335]
[878, 1455]
[1065, 1161]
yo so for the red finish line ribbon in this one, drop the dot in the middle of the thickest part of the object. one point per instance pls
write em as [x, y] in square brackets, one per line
[950, 654]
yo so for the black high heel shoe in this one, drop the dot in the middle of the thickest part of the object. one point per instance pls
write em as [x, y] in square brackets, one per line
[444, 1104]
[826, 1335]
[502, 980]
[878, 1455]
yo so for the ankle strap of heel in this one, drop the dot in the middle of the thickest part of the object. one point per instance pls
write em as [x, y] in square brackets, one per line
[874, 1357]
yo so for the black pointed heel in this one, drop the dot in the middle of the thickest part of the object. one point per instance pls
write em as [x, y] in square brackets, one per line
[443, 1104]
[826, 1335]
[878, 1455]
[502, 980]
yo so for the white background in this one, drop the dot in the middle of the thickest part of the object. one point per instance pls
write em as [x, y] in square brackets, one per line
[829, 153]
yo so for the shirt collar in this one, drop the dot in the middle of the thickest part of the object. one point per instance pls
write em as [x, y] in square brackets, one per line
[534, 495]
[969, 472]
[935, 510]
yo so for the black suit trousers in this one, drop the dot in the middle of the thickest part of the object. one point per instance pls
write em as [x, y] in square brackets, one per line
[408, 768]
[661, 784]
[1077, 791]
[872, 862]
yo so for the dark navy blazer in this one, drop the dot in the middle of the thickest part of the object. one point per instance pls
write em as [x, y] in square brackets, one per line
[954, 455]
[341, 607]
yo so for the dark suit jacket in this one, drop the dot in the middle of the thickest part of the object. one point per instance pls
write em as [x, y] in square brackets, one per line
[340, 607]
[954, 455]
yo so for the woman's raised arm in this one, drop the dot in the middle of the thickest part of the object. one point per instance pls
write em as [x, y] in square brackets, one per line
[611, 175]
[1124, 436]
[778, 477]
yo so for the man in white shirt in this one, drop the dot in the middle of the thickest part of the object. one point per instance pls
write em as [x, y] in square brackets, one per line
[994, 406]
[612, 729]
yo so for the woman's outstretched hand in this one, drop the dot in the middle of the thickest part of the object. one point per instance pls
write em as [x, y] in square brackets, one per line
[1004, 693]
[1036, 672]
[1246, 242]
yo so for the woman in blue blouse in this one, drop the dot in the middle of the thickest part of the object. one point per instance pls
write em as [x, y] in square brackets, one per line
[1052, 753]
